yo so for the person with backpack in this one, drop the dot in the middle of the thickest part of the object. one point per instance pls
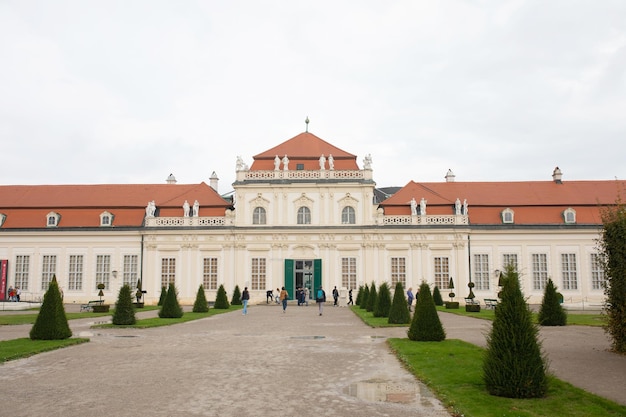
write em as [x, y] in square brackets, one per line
[320, 299]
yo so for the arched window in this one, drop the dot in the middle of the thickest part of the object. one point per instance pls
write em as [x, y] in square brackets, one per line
[508, 216]
[569, 215]
[304, 215]
[258, 216]
[348, 216]
[52, 219]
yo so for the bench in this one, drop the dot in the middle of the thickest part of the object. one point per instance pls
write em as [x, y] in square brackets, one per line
[491, 303]
[90, 304]
[472, 302]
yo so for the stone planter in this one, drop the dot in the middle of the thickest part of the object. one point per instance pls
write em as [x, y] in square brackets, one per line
[452, 304]
[104, 308]
[472, 308]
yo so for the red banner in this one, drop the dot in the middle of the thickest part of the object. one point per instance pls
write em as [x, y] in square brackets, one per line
[4, 271]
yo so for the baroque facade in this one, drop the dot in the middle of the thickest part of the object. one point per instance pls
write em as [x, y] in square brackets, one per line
[304, 214]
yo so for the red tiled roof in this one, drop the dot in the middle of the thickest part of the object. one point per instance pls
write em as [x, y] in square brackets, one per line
[306, 149]
[26, 206]
[533, 202]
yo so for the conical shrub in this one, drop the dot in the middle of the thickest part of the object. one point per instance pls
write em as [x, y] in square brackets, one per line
[366, 295]
[163, 296]
[124, 311]
[383, 301]
[371, 297]
[514, 366]
[437, 297]
[200, 305]
[359, 296]
[399, 311]
[51, 322]
[551, 312]
[221, 299]
[171, 308]
[426, 326]
[236, 300]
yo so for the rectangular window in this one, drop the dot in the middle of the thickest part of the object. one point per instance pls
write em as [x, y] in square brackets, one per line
[209, 274]
[168, 272]
[22, 267]
[257, 280]
[509, 259]
[540, 270]
[598, 279]
[569, 271]
[130, 272]
[481, 271]
[442, 272]
[48, 270]
[348, 273]
[103, 270]
[75, 277]
[398, 271]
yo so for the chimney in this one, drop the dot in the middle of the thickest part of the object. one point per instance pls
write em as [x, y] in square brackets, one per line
[213, 181]
[557, 175]
[171, 179]
[450, 176]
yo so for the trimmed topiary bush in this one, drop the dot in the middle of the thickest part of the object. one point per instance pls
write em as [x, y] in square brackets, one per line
[221, 300]
[514, 366]
[171, 308]
[383, 301]
[359, 296]
[51, 322]
[437, 297]
[200, 305]
[551, 312]
[371, 298]
[236, 300]
[366, 295]
[426, 326]
[399, 311]
[124, 311]
[163, 296]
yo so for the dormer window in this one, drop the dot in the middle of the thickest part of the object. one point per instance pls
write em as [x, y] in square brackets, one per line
[3, 217]
[569, 215]
[106, 219]
[508, 216]
[52, 219]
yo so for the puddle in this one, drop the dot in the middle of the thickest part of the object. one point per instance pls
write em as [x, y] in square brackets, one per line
[307, 337]
[126, 335]
[386, 391]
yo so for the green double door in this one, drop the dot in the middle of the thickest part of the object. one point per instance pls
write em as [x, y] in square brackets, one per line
[305, 273]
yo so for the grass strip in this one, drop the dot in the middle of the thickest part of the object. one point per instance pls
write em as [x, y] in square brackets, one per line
[158, 322]
[452, 369]
[25, 347]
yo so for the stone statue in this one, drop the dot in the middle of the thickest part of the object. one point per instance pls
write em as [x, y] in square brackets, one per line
[276, 163]
[239, 163]
[457, 207]
[186, 209]
[465, 206]
[367, 161]
[423, 206]
[413, 207]
[285, 163]
[196, 208]
[150, 209]
[322, 162]
[331, 162]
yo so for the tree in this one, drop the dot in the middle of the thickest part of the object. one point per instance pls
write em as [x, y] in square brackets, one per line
[551, 312]
[51, 322]
[359, 296]
[200, 305]
[236, 300]
[399, 311]
[366, 295]
[383, 301]
[221, 300]
[426, 326]
[514, 366]
[437, 297]
[171, 308]
[371, 298]
[163, 296]
[613, 250]
[124, 311]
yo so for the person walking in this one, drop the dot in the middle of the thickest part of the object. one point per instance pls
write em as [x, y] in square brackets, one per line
[245, 297]
[409, 296]
[284, 295]
[320, 299]
[350, 301]
[335, 296]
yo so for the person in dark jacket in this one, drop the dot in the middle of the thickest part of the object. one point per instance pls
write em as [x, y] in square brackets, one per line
[335, 296]
[245, 297]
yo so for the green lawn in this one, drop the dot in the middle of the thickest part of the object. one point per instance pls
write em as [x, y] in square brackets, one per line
[29, 318]
[452, 370]
[24, 347]
[157, 321]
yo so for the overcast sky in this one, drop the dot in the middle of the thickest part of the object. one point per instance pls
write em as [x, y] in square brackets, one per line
[96, 92]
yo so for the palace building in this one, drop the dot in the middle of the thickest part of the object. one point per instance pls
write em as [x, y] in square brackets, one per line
[304, 214]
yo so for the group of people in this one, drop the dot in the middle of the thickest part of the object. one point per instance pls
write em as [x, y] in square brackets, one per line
[280, 296]
[14, 294]
[302, 295]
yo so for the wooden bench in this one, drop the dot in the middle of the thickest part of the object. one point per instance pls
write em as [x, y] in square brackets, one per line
[491, 303]
[90, 304]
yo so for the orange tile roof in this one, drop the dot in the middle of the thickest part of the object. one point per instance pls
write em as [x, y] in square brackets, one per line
[26, 206]
[306, 149]
[533, 202]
